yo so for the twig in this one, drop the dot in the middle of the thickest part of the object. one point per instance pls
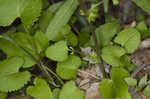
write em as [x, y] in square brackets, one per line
[55, 75]
[138, 69]
[89, 74]
[98, 51]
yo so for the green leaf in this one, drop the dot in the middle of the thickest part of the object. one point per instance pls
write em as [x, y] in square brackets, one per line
[70, 91]
[8, 11]
[128, 38]
[68, 68]
[144, 4]
[47, 16]
[40, 90]
[72, 39]
[24, 40]
[61, 18]
[115, 2]
[131, 81]
[3, 95]
[10, 75]
[56, 93]
[121, 88]
[112, 54]
[58, 51]
[31, 12]
[107, 89]
[41, 41]
[106, 32]
[143, 81]
[146, 91]
[13, 50]
[117, 87]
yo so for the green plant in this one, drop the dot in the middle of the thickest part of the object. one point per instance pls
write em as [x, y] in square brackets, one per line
[46, 33]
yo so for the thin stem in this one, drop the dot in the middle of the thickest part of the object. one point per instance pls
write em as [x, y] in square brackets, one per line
[98, 51]
[89, 74]
[55, 75]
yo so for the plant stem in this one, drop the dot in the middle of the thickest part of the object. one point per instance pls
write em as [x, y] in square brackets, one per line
[89, 74]
[98, 51]
[55, 75]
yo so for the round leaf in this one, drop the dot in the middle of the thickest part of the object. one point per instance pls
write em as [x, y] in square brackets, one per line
[41, 89]
[112, 54]
[131, 81]
[58, 51]
[68, 68]
[146, 91]
[128, 38]
[70, 91]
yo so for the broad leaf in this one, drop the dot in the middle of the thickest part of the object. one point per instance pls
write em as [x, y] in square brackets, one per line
[56, 93]
[68, 68]
[3, 95]
[40, 90]
[70, 91]
[31, 12]
[25, 41]
[58, 51]
[121, 88]
[112, 54]
[146, 91]
[13, 50]
[61, 18]
[131, 81]
[41, 41]
[128, 38]
[144, 4]
[47, 16]
[8, 11]
[107, 89]
[143, 81]
[10, 75]
[117, 87]
[72, 39]
[106, 32]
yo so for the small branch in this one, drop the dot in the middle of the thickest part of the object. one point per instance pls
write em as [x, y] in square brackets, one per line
[89, 74]
[98, 51]
[138, 69]
[55, 75]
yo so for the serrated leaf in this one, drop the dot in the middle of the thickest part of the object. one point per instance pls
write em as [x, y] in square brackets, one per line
[144, 4]
[146, 91]
[106, 32]
[40, 90]
[8, 11]
[61, 18]
[143, 81]
[107, 89]
[41, 41]
[118, 88]
[14, 81]
[131, 81]
[10, 75]
[70, 91]
[112, 54]
[12, 50]
[58, 51]
[68, 68]
[31, 12]
[128, 38]
[3, 95]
